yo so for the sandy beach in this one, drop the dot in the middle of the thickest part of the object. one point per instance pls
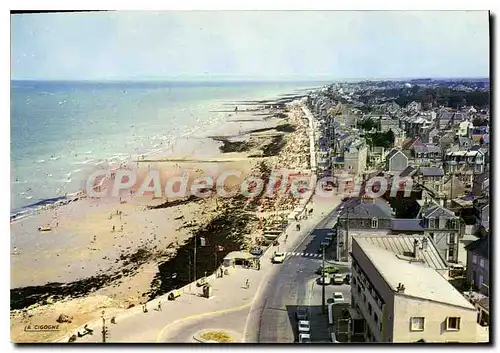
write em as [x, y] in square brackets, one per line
[109, 254]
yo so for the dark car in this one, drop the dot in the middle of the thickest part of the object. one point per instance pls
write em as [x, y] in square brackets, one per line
[344, 199]
[257, 251]
[302, 314]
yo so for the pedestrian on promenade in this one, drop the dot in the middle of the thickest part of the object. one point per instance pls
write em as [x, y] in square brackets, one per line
[247, 283]
[159, 305]
[144, 308]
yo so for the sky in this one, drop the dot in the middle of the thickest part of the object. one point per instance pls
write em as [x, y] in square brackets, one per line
[259, 45]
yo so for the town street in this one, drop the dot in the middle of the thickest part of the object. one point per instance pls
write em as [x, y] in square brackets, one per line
[295, 285]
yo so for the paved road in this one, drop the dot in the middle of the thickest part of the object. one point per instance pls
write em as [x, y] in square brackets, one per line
[295, 285]
[232, 323]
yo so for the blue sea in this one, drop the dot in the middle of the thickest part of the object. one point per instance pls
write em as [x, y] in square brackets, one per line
[61, 129]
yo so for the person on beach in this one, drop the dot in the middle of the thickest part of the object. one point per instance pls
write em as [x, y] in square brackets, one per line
[247, 284]
[159, 305]
[113, 229]
[144, 308]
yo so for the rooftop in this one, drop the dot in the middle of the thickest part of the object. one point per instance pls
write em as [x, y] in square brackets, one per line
[403, 245]
[436, 211]
[368, 208]
[407, 224]
[419, 280]
[480, 247]
[432, 171]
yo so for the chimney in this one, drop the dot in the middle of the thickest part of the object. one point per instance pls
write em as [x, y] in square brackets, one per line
[415, 248]
[424, 243]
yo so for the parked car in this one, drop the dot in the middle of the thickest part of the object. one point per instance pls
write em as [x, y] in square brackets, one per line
[304, 326]
[278, 258]
[304, 338]
[302, 314]
[338, 278]
[338, 297]
[324, 280]
[257, 251]
[328, 270]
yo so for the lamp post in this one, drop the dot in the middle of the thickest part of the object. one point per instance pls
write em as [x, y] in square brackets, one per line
[104, 331]
[323, 304]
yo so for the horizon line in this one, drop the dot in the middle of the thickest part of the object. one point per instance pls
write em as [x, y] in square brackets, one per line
[246, 79]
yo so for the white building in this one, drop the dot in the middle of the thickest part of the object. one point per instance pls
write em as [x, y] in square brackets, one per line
[407, 301]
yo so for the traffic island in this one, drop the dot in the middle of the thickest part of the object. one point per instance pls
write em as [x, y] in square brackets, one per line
[214, 336]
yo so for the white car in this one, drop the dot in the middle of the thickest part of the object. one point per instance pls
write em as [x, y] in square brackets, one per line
[278, 258]
[338, 278]
[304, 326]
[324, 280]
[304, 338]
[338, 297]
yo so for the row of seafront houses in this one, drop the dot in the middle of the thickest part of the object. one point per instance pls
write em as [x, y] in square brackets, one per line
[423, 276]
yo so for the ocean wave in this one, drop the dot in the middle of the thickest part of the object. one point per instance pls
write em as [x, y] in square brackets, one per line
[41, 161]
[87, 161]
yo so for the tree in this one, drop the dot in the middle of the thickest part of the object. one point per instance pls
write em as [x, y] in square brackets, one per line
[480, 122]
[368, 124]
[390, 136]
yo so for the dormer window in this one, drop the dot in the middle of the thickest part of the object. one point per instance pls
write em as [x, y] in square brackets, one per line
[432, 223]
[374, 222]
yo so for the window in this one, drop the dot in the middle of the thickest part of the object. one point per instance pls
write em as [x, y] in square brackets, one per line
[442, 223]
[474, 259]
[417, 324]
[481, 263]
[375, 317]
[370, 309]
[481, 280]
[453, 224]
[359, 289]
[451, 254]
[432, 223]
[364, 297]
[374, 222]
[453, 323]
